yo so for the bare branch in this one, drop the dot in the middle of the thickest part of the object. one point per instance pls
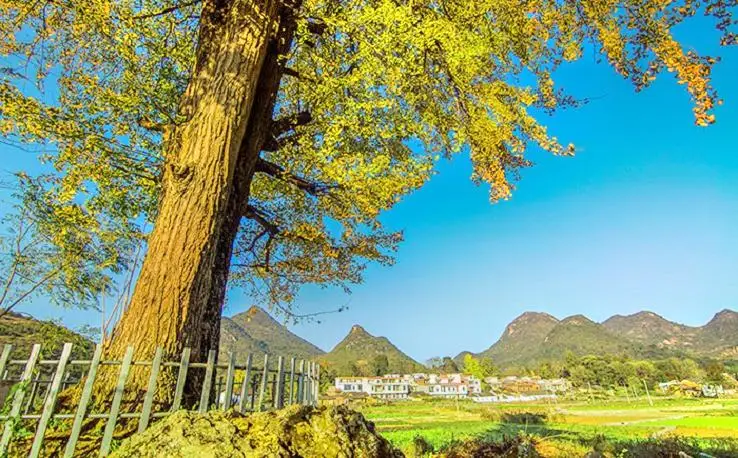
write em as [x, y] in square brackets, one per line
[272, 144]
[260, 217]
[317, 27]
[256, 239]
[277, 171]
[40, 282]
[287, 123]
[270, 229]
[289, 71]
[171, 9]
[151, 125]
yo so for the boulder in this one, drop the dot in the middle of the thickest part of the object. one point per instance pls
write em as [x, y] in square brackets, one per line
[296, 431]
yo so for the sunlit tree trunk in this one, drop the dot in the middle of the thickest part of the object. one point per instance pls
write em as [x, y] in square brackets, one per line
[178, 296]
[257, 133]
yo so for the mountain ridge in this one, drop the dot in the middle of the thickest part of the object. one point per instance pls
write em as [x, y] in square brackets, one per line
[641, 334]
[529, 339]
[357, 351]
[256, 331]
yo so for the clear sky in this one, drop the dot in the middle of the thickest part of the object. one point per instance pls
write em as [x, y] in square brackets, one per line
[644, 217]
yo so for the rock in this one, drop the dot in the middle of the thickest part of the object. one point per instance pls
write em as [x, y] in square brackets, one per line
[297, 431]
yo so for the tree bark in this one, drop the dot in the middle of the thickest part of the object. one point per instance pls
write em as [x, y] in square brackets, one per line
[174, 301]
[257, 134]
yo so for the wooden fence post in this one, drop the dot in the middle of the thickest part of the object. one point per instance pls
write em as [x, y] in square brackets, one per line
[4, 358]
[184, 364]
[306, 383]
[245, 386]
[279, 392]
[313, 385]
[254, 390]
[117, 398]
[18, 399]
[292, 381]
[50, 400]
[273, 390]
[207, 383]
[34, 388]
[83, 401]
[301, 382]
[218, 386]
[317, 383]
[264, 377]
[65, 383]
[229, 381]
[310, 383]
[143, 422]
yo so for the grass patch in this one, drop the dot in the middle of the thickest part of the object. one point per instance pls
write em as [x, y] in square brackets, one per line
[573, 427]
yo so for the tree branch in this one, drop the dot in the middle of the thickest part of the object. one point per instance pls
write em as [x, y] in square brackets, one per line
[260, 217]
[270, 229]
[277, 171]
[171, 9]
[317, 27]
[289, 71]
[151, 125]
[272, 144]
[287, 123]
[33, 288]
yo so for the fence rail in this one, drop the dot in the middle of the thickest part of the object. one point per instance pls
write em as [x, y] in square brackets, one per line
[261, 387]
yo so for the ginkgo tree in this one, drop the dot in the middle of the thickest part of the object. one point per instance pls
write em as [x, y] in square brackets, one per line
[263, 138]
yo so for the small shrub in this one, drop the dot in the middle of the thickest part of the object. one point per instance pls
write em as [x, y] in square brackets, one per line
[420, 447]
[524, 418]
[673, 447]
[490, 414]
[519, 446]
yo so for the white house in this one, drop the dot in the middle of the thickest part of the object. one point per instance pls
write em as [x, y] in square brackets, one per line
[383, 387]
[450, 385]
[396, 386]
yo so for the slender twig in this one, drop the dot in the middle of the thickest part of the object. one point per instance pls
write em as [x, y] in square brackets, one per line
[171, 9]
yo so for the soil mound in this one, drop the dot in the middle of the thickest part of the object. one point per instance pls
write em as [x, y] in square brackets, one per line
[297, 431]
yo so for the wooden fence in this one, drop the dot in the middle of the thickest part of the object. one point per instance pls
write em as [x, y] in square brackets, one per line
[261, 387]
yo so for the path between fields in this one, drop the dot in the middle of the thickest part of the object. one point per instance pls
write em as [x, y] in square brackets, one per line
[644, 420]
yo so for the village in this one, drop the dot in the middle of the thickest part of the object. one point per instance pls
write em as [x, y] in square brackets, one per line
[492, 390]
[456, 385]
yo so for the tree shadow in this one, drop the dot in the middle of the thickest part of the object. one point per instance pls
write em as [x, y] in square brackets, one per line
[536, 430]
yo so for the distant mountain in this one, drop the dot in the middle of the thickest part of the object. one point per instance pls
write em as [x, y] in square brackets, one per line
[528, 340]
[235, 339]
[719, 337]
[648, 328]
[23, 331]
[359, 348]
[521, 339]
[255, 331]
[581, 336]
[533, 338]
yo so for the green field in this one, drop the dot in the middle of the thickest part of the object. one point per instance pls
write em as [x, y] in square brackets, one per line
[575, 426]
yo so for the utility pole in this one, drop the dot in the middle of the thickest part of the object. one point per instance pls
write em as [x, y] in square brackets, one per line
[648, 395]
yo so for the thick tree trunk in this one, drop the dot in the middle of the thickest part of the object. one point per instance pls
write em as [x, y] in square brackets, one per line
[257, 133]
[172, 305]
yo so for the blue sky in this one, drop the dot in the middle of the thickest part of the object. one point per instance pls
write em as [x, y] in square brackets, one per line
[644, 217]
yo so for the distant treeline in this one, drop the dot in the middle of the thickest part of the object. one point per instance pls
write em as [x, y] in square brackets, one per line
[612, 371]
